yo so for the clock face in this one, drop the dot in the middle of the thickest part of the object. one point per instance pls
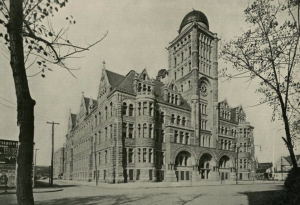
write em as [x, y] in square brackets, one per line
[203, 89]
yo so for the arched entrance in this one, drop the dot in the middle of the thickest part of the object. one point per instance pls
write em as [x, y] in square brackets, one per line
[184, 166]
[225, 167]
[207, 165]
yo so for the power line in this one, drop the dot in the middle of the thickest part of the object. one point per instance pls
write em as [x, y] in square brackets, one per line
[16, 111]
[42, 133]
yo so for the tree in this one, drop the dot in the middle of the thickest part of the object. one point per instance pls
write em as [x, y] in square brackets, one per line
[28, 32]
[269, 52]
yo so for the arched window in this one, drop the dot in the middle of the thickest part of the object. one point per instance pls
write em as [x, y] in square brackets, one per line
[124, 108]
[130, 110]
[183, 121]
[189, 84]
[144, 76]
[106, 112]
[172, 118]
[96, 120]
[111, 109]
[172, 99]
[139, 130]
[150, 131]
[144, 87]
[145, 130]
[222, 130]
[149, 88]
[178, 120]
[226, 131]
[162, 118]
[139, 87]
[181, 88]
[182, 71]
[175, 75]
[176, 99]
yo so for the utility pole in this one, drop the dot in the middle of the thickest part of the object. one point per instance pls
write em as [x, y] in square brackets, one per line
[281, 169]
[237, 164]
[51, 172]
[96, 171]
[34, 170]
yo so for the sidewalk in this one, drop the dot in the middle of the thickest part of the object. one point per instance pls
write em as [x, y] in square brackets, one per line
[12, 190]
[137, 185]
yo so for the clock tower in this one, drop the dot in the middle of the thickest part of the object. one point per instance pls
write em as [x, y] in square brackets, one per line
[193, 68]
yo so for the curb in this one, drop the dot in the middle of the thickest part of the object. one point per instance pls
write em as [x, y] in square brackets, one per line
[34, 191]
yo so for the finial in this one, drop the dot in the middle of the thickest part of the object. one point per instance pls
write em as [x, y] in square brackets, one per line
[103, 64]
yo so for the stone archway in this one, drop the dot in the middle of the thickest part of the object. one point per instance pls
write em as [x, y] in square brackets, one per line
[184, 163]
[226, 167]
[207, 165]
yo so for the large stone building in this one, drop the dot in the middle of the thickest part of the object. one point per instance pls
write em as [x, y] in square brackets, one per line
[171, 128]
[58, 163]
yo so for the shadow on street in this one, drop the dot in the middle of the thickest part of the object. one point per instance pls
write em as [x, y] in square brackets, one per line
[274, 197]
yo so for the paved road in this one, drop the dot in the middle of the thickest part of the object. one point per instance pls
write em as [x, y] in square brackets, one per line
[257, 194]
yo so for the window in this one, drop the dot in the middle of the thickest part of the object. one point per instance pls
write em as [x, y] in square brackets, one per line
[172, 118]
[130, 131]
[172, 99]
[150, 156]
[130, 155]
[182, 57]
[183, 121]
[190, 51]
[181, 89]
[106, 133]
[176, 99]
[144, 108]
[178, 120]
[130, 110]
[139, 87]
[96, 123]
[175, 77]
[190, 66]
[149, 88]
[144, 154]
[189, 84]
[124, 108]
[181, 138]
[145, 130]
[139, 108]
[111, 109]
[182, 71]
[106, 113]
[139, 155]
[176, 137]
[151, 109]
[139, 130]
[175, 62]
[187, 138]
[144, 76]
[150, 131]
[241, 164]
[105, 157]
[162, 117]
[111, 131]
[245, 163]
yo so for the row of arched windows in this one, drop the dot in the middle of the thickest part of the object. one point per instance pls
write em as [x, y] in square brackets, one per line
[225, 114]
[173, 98]
[226, 131]
[145, 108]
[143, 87]
[145, 131]
[181, 137]
[226, 144]
[127, 109]
[178, 120]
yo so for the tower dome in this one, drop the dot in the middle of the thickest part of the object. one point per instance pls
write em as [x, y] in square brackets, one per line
[194, 15]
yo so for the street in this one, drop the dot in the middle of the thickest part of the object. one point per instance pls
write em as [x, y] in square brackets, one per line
[77, 194]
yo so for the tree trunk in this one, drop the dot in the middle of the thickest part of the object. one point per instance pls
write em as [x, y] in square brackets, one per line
[288, 140]
[25, 118]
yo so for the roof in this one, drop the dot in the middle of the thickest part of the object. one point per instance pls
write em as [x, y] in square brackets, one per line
[114, 78]
[288, 159]
[125, 84]
[194, 15]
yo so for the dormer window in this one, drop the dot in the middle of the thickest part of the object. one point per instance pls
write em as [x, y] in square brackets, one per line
[144, 76]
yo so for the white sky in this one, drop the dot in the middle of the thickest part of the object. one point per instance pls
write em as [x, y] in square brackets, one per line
[139, 32]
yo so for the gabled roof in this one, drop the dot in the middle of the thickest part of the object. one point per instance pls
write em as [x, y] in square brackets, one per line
[125, 84]
[266, 165]
[114, 78]
[289, 160]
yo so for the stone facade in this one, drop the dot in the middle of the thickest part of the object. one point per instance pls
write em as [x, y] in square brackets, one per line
[172, 128]
[58, 163]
